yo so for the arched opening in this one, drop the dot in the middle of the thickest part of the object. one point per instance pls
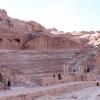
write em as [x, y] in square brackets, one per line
[74, 70]
[76, 53]
[59, 77]
[54, 75]
[9, 84]
[88, 70]
[97, 84]
[17, 40]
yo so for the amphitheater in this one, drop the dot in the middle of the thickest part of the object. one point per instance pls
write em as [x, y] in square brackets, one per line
[42, 65]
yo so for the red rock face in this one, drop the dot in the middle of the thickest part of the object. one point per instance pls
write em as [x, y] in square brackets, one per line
[10, 39]
[32, 49]
[17, 34]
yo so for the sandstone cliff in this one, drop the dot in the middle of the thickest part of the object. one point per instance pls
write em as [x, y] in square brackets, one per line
[29, 51]
[19, 34]
[19, 25]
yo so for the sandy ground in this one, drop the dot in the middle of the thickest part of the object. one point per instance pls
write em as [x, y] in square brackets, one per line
[92, 93]
[83, 94]
[15, 91]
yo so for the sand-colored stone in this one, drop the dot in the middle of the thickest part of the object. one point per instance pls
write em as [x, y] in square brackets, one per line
[32, 55]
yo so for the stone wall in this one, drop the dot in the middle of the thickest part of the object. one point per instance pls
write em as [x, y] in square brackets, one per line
[10, 40]
[31, 52]
[13, 33]
[25, 65]
[14, 40]
[49, 42]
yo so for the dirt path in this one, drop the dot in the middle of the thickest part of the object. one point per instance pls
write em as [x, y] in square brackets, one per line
[84, 94]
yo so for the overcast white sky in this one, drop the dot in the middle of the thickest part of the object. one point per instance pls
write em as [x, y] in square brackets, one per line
[65, 15]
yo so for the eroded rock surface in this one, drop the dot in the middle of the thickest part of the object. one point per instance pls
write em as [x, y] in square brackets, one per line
[30, 53]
